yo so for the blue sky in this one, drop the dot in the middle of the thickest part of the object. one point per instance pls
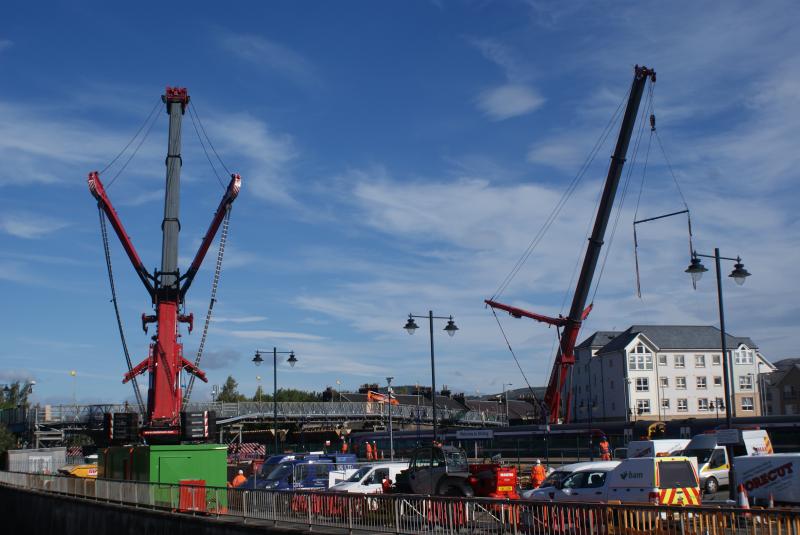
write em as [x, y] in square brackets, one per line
[396, 157]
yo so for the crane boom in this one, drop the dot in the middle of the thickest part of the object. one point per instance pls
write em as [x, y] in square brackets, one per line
[565, 357]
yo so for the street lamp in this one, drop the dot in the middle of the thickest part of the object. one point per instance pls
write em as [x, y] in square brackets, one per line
[411, 326]
[258, 380]
[505, 396]
[292, 360]
[739, 274]
[391, 432]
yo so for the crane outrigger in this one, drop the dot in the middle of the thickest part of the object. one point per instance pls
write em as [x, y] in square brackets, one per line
[569, 326]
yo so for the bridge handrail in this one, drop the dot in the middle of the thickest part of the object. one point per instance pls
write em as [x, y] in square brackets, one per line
[65, 414]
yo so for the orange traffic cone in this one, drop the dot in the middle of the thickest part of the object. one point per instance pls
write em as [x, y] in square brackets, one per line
[742, 501]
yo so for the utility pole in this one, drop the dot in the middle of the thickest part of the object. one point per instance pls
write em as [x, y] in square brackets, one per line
[391, 432]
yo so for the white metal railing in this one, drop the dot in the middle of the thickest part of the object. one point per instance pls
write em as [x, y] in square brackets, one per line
[418, 514]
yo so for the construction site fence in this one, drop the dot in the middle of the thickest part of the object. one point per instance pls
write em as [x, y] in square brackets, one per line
[387, 513]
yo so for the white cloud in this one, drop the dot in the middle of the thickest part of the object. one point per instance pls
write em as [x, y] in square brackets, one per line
[267, 335]
[508, 101]
[29, 226]
[272, 56]
[239, 319]
[514, 98]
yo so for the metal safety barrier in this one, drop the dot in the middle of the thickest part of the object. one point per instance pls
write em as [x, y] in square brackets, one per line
[380, 513]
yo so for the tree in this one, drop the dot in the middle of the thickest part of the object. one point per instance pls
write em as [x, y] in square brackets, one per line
[7, 439]
[230, 392]
[14, 395]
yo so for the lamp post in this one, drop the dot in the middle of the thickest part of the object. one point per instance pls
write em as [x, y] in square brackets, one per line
[505, 397]
[739, 275]
[450, 329]
[292, 360]
[391, 432]
[258, 381]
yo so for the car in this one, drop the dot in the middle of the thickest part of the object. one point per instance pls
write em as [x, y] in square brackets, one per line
[368, 479]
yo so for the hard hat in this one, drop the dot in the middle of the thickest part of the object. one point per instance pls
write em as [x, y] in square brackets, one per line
[241, 472]
[538, 461]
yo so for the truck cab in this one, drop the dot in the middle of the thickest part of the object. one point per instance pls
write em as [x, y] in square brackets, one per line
[437, 471]
[712, 458]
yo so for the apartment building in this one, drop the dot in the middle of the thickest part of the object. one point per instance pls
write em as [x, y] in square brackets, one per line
[664, 372]
[782, 388]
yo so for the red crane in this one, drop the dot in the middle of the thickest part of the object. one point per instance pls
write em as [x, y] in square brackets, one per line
[166, 287]
[565, 357]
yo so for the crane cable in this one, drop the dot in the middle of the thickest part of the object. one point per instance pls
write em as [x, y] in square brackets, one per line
[223, 238]
[136, 149]
[565, 196]
[645, 110]
[514, 355]
[107, 252]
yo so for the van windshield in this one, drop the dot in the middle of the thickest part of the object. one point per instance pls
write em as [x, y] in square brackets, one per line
[676, 474]
[554, 478]
[457, 461]
[702, 454]
[361, 472]
[280, 473]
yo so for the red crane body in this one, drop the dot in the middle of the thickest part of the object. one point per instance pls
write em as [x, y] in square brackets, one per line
[565, 358]
[167, 288]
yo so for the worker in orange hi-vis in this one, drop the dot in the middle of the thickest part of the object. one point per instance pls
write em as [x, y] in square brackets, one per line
[369, 451]
[538, 474]
[344, 445]
[375, 452]
[239, 479]
[605, 449]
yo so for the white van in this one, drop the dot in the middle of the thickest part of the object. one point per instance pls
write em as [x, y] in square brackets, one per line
[656, 448]
[655, 480]
[558, 475]
[712, 459]
[775, 476]
[369, 478]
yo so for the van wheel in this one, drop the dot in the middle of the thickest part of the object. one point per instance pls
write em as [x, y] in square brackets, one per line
[712, 486]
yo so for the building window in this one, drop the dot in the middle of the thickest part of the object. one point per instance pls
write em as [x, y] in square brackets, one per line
[716, 360]
[642, 384]
[745, 382]
[680, 361]
[701, 382]
[743, 356]
[717, 380]
[680, 383]
[683, 405]
[699, 361]
[643, 406]
[702, 404]
[665, 403]
[640, 359]
[662, 360]
[747, 404]
[664, 382]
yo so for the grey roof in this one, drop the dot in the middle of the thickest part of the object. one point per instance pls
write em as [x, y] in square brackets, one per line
[667, 337]
[598, 339]
[517, 410]
[786, 364]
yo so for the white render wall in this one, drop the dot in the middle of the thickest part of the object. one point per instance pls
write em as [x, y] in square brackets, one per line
[603, 379]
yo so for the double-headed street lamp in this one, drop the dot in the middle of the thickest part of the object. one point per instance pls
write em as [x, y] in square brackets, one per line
[292, 360]
[450, 329]
[505, 397]
[739, 275]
